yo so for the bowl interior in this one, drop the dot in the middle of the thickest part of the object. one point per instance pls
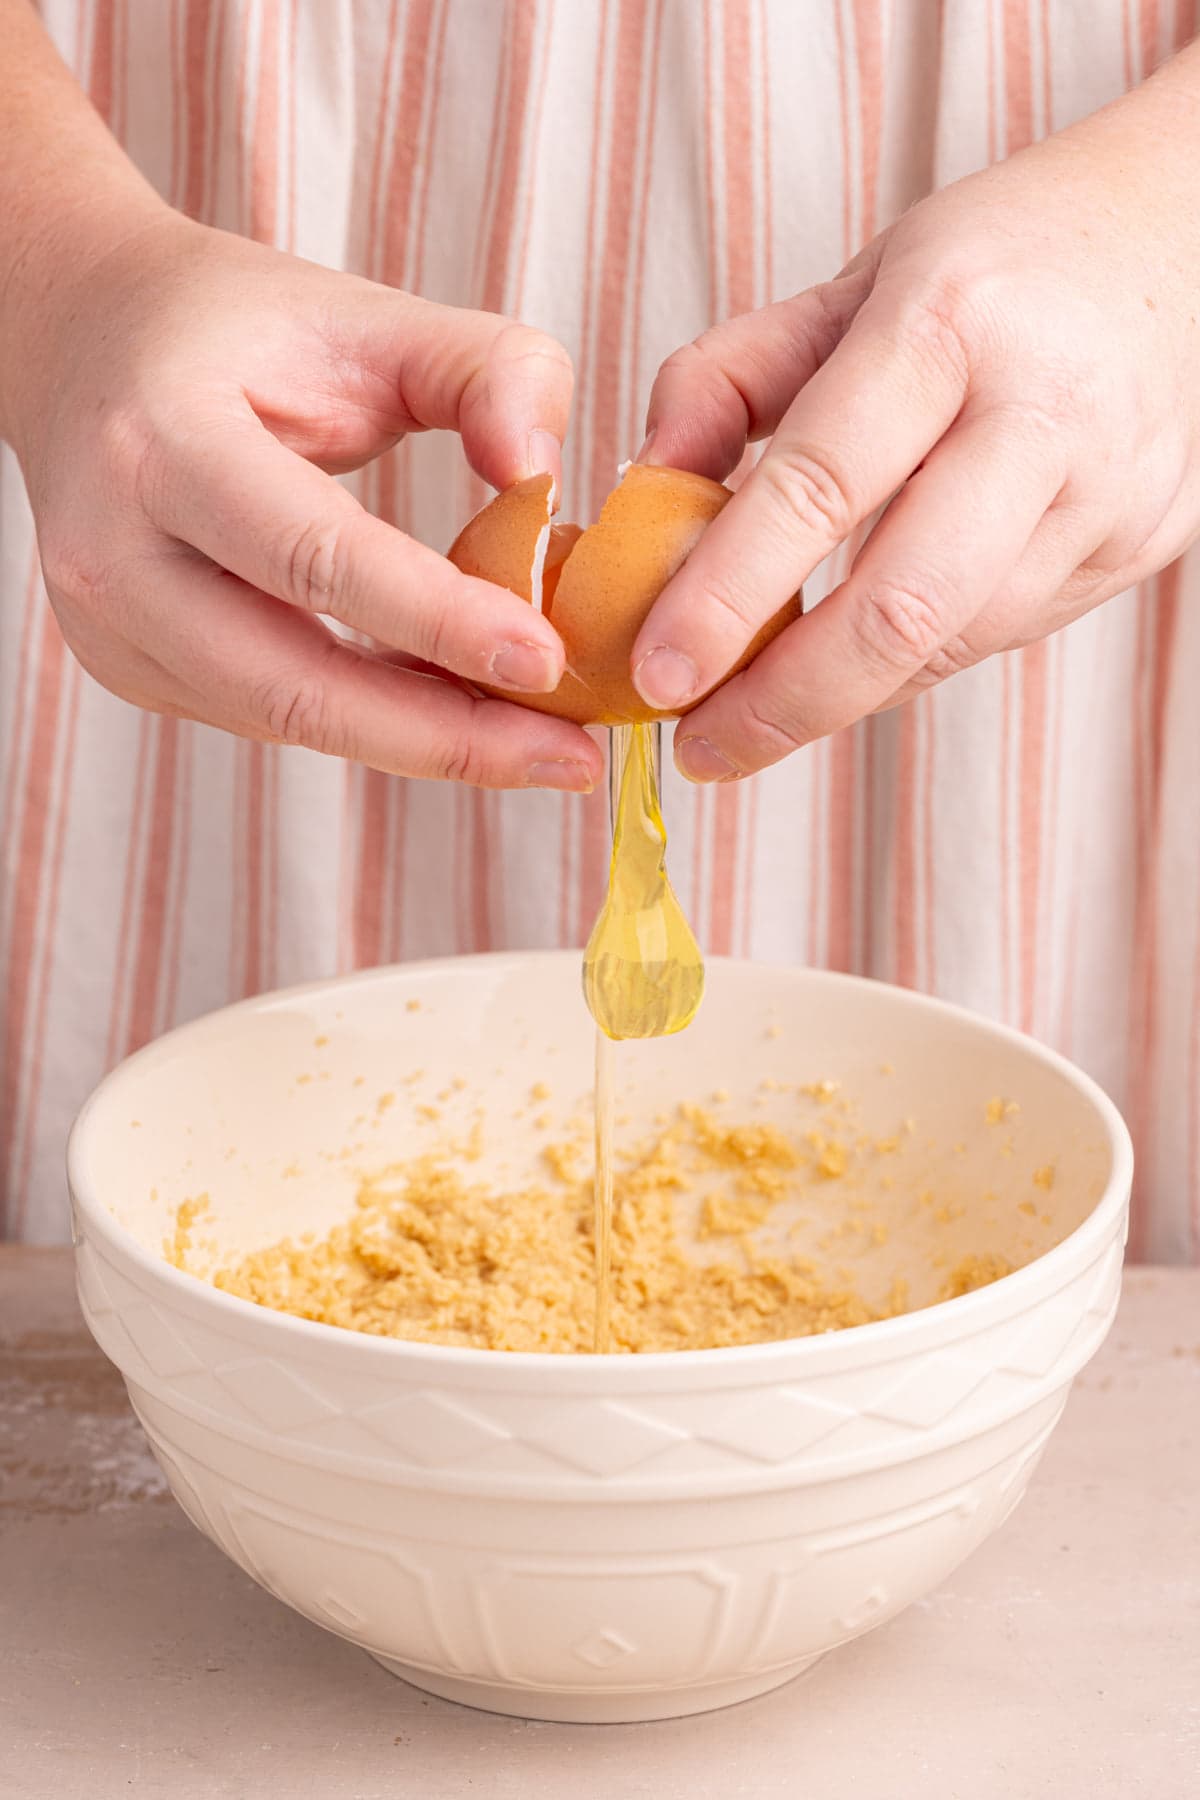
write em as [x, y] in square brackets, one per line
[974, 1140]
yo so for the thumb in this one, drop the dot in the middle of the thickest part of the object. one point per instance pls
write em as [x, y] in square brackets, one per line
[504, 387]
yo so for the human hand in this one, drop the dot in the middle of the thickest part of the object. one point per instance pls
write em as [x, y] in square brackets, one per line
[1019, 356]
[179, 404]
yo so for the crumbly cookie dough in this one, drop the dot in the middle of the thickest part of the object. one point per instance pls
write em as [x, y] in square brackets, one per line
[432, 1256]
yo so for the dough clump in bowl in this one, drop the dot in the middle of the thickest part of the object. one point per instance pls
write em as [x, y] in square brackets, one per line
[432, 1256]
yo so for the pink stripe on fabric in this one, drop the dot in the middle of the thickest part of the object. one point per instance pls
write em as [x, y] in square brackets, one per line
[740, 296]
[46, 960]
[1018, 76]
[264, 198]
[1193, 1131]
[833, 833]
[289, 242]
[764, 101]
[751, 812]
[1018, 90]
[1129, 43]
[1159, 604]
[45, 813]
[483, 883]
[1005, 824]
[26, 886]
[600, 62]
[866, 963]
[861, 91]
[748, 884]
[126, 929]
[634, 424]
[266, 771]
[197, 34]
[247, 869]
[1032, 776]
[516, 278]
[587, 818]
[993, 123]
[513, 125]
[101, 78]
[178, 899]
[216, 127]
[701, 806]
[379, 801]
[252, 852]
[144, 1019]
[569, 813]
[929, 892]
[605, 356]
[191, 50]
[612, 310]
[32, 606]
[904, 888]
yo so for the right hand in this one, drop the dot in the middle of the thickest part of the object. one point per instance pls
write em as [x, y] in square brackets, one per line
[179, 402]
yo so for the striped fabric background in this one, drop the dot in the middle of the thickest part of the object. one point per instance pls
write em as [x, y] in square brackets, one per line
[620, 172]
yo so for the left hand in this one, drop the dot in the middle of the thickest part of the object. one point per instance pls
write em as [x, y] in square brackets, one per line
[1017, 361]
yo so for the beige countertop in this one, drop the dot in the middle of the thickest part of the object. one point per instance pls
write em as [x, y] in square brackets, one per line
[1063, 1660]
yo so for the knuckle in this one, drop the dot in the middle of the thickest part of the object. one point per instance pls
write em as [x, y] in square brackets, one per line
[697, 379]
[1043, 419]
[131, 455]
[523, 343]
[297, 710]
[688, 358]
[951, 658]
[99, 587]
[898, 628]
[71, 570]
[779, 736]
[434, 635]
[832, 306]
[807, 495]
[698, 372]
[734, 606]
[1063, 390]
[696, 393]
[939, 320]
[535, 354]
[312, 563]
[460, 760]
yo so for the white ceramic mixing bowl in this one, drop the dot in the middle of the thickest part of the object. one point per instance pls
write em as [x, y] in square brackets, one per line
[576, 1537]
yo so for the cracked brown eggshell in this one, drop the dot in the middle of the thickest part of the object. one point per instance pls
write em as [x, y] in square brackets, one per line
[596, 586]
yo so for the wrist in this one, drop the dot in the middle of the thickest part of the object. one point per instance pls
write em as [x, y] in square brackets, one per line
[48, 267]
[1148, 140]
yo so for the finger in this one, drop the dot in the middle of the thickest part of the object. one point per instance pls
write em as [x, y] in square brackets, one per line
[940, 553]
[281, 525]
[734, 384]
[124, 669]
[504, 387]
[266, 670]
[859, 428]
[1049, 587]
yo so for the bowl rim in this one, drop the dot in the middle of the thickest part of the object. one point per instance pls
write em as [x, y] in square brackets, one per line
[972, 1311]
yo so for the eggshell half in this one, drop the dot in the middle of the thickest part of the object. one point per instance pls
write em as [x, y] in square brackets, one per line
[597, 586]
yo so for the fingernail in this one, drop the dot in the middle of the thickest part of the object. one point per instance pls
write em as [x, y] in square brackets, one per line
[666, 678]
[525, 666]
[643, 454]
[544, 453]
[566, 775]
[701, 761]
